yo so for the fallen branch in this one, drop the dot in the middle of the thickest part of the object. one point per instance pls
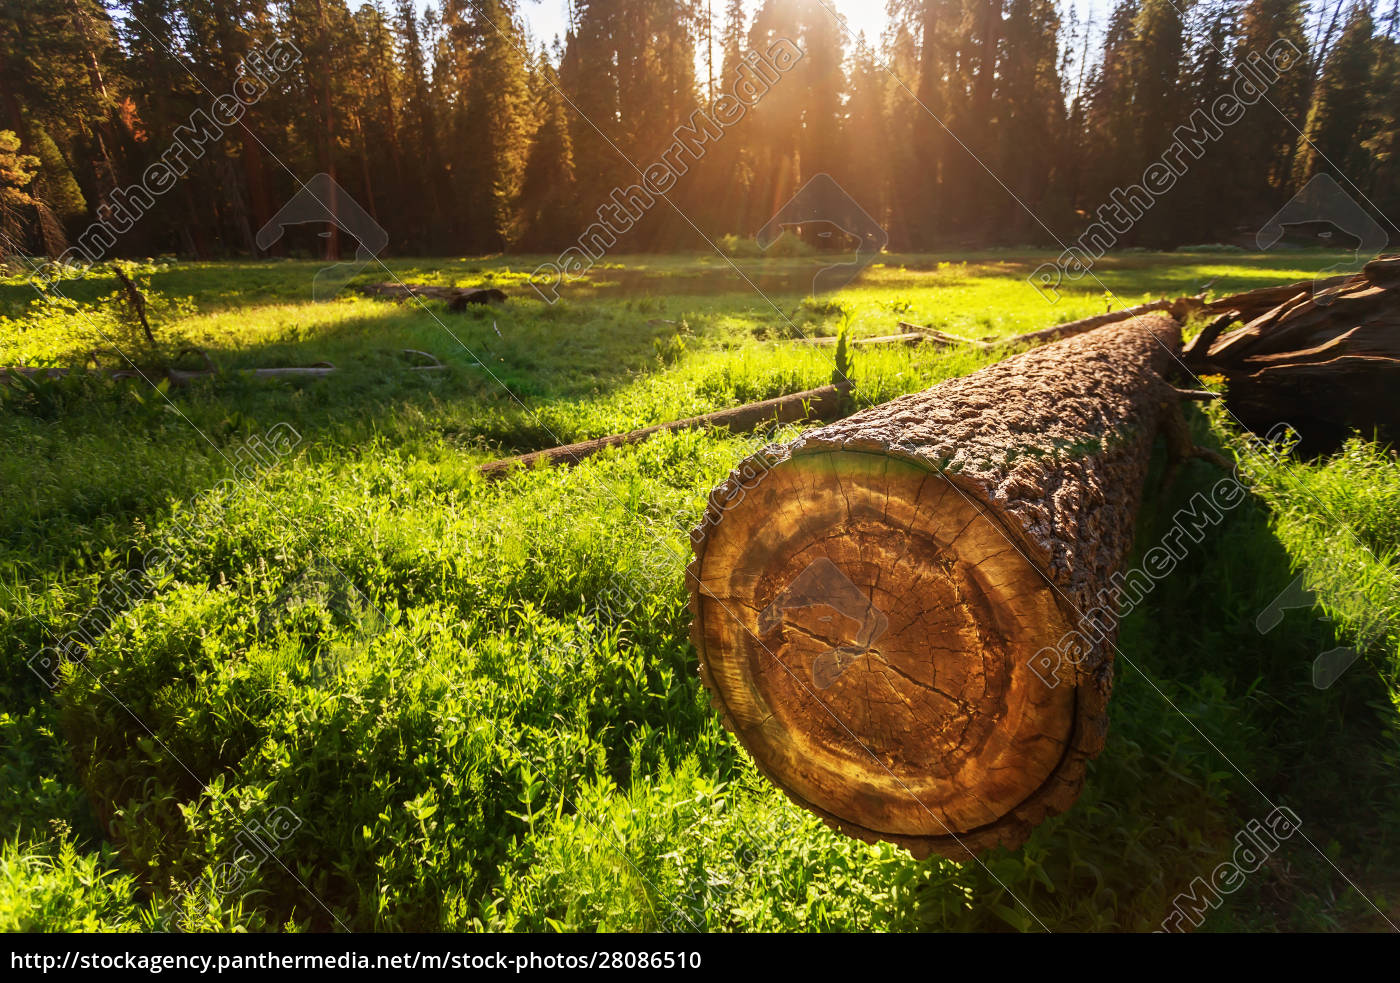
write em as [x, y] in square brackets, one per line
[914, 333]
[183, 377]
[457, 297]
[1252, 303]
[1083, 324]
[825, 403]
[908, 338]
[1208, 334]
[138, 303]
[941, 339]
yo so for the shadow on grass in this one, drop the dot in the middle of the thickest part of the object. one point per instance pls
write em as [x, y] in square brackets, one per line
[1213, 725]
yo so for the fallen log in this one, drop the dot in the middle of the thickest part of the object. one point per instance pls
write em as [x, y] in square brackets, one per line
[1322, 356]
[881, 609]
[183, 377]
[1084, 325]
[458, 298]
[177, 378]
[824, 403]
[1383, 271]
[913, 333]
[1252, 303]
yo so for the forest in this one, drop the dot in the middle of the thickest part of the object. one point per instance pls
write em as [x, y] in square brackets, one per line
[966, 124]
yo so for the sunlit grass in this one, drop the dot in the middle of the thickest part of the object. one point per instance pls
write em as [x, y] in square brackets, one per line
[417, 664]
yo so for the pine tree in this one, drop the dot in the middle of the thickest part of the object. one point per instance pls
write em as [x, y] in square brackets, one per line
[1030, 132]
[1159, 74]
[972, 194]
[1382, 178]
[17, 205]
[865, 171]
[629, 72]
[48, 102]
[1263, 142]
[374, 105]
[725, 186]
[316, 27]
[59, 188]
[218, 34]
[1339, 121]
[1203, 203]
[497, 123]
[590, 76]
[446, 128]
[795, 129]
[425, 168]
[548, 187]
[916, 136]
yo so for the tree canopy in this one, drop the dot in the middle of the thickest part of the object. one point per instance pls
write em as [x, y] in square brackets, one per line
[968, 123]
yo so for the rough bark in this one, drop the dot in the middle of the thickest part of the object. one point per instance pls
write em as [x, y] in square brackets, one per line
[877, 605]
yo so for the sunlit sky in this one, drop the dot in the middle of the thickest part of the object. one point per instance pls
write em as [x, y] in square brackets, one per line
[548, 18]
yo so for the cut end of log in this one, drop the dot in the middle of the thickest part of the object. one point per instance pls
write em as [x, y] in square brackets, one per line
[868, 631]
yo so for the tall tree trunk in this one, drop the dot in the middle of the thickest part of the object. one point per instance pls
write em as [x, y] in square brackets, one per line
[988, 205]
[13, 111]
[233, 47]
[364, 169]
[103, 132]
[326, 138]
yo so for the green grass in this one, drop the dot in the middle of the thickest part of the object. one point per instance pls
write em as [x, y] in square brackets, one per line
[479, 701]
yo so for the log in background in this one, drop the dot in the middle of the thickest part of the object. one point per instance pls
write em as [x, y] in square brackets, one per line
[867, 598]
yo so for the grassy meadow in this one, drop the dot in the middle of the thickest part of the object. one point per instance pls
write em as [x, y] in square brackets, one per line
[363, 688]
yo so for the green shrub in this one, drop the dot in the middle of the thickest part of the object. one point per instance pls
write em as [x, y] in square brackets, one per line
[49, 886]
